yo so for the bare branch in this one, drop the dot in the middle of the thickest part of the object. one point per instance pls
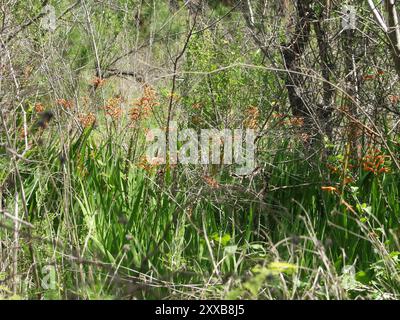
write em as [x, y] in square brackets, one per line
[378, 16]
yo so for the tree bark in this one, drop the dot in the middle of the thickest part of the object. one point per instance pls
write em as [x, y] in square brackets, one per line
[292, 52]
[393, 32]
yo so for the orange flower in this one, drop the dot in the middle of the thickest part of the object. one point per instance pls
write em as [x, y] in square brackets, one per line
[87, 120]
[211, 182]
[67, 104]
[368, 77]
[297, 121]
[305, 137]
[332, 168]
[276, 115]
[113, 108]
[329, 189]
[366, 168]
[39, 107]
[134, 114]
[144, 164]
[143, 107]
[384, 170]
[348, 206]
[22, 133]
[156, 161]
[149, 164]
[113, 112]
[375, 162]
[348, 180]
[97, 82]
[252, 116]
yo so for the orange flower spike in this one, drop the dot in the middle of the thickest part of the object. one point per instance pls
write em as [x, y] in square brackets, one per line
[67, 104]
[252, 117]
[144, 164]
[134, 114]
[113, 108]
[211, 182]
[87, 120]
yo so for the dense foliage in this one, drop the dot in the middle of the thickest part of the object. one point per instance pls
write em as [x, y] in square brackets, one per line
[84, 214]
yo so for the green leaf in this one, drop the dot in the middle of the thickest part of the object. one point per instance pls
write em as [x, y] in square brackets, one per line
[282, 267]
[362, 277]
[224, 240]
[230, 250]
